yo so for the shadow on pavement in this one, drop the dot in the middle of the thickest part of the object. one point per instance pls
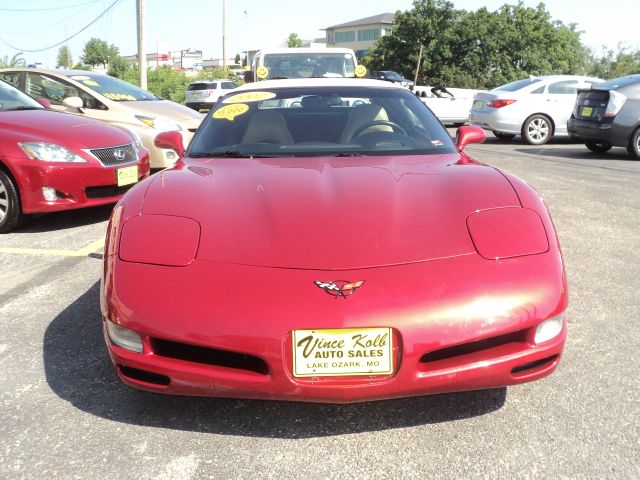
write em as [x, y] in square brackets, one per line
[580, 152]
[49, 222]
[78, 370]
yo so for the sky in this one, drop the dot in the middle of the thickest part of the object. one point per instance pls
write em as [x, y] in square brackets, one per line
[42, 25]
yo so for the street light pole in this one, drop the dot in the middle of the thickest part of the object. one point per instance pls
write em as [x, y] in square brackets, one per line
[142, 56]
[415, 80]
[224, 34]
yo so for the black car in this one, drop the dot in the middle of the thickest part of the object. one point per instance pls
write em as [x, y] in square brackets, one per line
[391, 76]
[608, 115]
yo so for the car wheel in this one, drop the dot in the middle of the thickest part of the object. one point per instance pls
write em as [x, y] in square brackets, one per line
[598, 146]
[503, 136]
[10, 209]
[537, 129]
[634, 145]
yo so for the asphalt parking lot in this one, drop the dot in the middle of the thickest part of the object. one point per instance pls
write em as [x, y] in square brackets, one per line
[66, 415]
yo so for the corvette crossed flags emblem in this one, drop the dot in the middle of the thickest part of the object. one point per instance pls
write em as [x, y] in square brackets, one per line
[339, 288]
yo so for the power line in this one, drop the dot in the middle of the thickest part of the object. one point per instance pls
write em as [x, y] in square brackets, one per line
[64, 20]
[109, 8]
[45, 9]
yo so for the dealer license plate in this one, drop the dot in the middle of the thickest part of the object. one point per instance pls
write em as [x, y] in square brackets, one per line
[477, 105]
[586, 111]
[127, 175]
[341, 352]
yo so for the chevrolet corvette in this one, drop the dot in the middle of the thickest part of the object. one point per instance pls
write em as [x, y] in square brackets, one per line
[326, 240]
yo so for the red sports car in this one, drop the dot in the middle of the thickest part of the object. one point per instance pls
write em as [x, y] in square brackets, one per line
[325, 240]
[52, 161]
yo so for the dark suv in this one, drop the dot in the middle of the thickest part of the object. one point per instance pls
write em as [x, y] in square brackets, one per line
[608, 115]
[391, 76]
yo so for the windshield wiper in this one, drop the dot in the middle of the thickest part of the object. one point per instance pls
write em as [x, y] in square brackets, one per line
[22, 108]
[228, 154]
[348, 154]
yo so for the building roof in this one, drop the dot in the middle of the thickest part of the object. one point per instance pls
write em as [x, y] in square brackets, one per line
[381, 18]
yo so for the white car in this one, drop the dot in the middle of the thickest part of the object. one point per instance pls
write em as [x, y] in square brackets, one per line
[203, 94]
[451, 106]
[536, 107]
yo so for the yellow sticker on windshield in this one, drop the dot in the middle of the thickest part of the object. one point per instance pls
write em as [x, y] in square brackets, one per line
[361, 71]
[250, 97]
[231, 111]
[91, 83]
[262, 72]
[80, 77]
[118, 96]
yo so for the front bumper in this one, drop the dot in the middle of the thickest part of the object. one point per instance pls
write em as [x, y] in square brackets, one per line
[76, 185]
[230, 335]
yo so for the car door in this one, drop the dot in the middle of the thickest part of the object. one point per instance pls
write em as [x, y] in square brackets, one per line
[561, 97]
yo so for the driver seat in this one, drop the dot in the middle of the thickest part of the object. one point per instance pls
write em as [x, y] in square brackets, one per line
[360, 116]
[267, 127]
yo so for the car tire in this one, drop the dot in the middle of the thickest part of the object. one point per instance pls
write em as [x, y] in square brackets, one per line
[598, 146]
[537, 129]
[11, 215]
[503, 136]
[634, 144]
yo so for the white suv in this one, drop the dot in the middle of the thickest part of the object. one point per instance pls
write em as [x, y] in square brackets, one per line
[203, 94]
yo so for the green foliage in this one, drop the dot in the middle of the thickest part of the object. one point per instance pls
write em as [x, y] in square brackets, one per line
[99, 52]
[165, 82]
[610, 64]
[478, 49]
[294, 41]
[16, 61]
[64, 57]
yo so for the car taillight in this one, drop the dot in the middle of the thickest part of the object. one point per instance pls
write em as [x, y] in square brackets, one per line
[500, 103]
[615, 103]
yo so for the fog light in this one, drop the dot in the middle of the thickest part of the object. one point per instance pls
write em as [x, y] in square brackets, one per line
[49, 194]
[171, 155]
[124, 337]
[549, 329]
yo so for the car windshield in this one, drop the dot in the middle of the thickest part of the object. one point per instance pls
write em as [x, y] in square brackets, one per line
[394, 75]
[320, 121]
[518, 84]
[113, 88]
[13, 99]
[305, 65]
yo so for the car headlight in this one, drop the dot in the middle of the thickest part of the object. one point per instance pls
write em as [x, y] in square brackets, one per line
[124, 337]
[136, 139]
[549, 329]
[159, 123]
[49, 152]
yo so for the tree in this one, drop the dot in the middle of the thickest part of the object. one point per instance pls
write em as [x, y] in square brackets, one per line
[99, 52]
[478, 49]
[16, 61]
[64, 57]
[294, 41]
[613, 64]
[237, 59]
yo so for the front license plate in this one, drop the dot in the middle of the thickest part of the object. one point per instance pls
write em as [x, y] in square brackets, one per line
[342, 352]
[586, 111]
[478, 104]
[127, 175]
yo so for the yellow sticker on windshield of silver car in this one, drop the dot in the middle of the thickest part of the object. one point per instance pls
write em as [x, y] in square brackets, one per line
[231, 111]
[250, 97]
[92, 83]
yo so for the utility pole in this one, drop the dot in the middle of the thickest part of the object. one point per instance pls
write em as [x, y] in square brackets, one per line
[224, 34]
[142, 56]
[415, 81]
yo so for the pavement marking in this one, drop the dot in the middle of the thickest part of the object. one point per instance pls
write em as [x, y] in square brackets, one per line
[83, 252]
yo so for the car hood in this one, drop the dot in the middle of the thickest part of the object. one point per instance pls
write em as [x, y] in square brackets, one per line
[165, 108]
[70, 131]
[330, 213]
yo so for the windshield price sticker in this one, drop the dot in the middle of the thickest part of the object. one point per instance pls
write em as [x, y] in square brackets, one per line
[250, 97]
[342, 352]
[231, 111]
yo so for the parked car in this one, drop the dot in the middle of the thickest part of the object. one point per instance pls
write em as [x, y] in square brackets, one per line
[450, 108]
[236, 70]
[312, 248]
[536, 107]
[203, 94]
[111, 100]
[608, 115]
[52, 161]
[391, 76]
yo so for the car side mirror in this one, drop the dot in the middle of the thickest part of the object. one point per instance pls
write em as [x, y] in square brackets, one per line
[44, 102]
[170, 141]
[73, 102]
[469, 134]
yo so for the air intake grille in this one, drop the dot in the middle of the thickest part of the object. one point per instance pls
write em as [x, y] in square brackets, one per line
[116, 155]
